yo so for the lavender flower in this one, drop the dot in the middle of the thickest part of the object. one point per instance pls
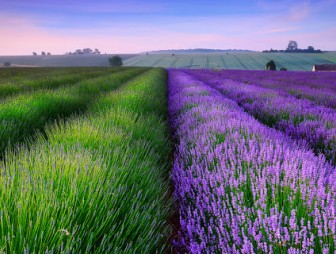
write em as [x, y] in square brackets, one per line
[244, 187]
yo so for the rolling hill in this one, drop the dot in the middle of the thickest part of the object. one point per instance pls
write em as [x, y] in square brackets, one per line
[209, 60]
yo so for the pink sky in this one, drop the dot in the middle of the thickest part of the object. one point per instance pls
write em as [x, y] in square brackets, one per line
[26, 33]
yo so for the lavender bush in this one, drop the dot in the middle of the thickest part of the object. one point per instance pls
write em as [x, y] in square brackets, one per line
[298, 118]
[317, 87]
[243, 187]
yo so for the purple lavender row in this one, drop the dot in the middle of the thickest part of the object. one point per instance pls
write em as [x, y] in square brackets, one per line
[318, 80]
[243, 187]
[317, 87]
[324, 97]
[298, 118]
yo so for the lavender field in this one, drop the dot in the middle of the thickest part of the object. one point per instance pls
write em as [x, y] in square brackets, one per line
[254, 164]
[145, 160]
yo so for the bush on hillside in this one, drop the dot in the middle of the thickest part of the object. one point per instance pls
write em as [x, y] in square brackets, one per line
[115, 61]
[270, 66]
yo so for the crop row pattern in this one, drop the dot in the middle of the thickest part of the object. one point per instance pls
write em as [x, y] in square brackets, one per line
[244, 187]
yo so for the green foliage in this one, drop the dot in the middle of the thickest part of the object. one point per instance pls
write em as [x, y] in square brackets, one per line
[115, 61]
[21, 81]
[100, 182]
[22, 116]
[292, 46]
[270, 65]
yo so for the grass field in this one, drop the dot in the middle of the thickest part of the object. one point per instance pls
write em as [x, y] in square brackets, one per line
[243, 61]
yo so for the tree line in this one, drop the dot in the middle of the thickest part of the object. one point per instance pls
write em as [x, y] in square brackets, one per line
[294, 48]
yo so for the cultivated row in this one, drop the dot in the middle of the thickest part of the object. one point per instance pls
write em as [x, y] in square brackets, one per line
[298, 118]
[52, 78]
[318, 87]
[23, 115]
[244, 187]
[99, 184]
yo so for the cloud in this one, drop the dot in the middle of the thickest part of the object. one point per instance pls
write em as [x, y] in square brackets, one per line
[87, 6]
[279, 30]
[24, 34]
[299, 12]
[276, 5]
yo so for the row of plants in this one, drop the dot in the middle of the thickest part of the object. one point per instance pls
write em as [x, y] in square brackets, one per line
[319, 87]
[21, 116]
[298, 118]
[49, 78]
[33, 73]
[244, 187]
[96, 183]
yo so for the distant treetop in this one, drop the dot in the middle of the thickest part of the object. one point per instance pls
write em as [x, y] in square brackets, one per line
[293, 48]
[292, 45]
[115, 61]
[85, 51]
[270, 65]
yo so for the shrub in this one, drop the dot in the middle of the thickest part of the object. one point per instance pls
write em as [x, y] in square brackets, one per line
[7, 64]
[115, 61]
[270, 66]
[283, 69]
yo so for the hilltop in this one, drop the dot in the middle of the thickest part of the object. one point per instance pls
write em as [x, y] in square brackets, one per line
[197, 51]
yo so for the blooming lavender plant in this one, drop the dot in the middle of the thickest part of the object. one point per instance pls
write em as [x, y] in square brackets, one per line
[244, 187]
[298, 118]
[317, 87]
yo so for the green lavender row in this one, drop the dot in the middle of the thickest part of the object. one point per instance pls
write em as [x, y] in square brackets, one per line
[22, 116]
[7, 74]
[22, 74]
[99, 184]
[50, 79]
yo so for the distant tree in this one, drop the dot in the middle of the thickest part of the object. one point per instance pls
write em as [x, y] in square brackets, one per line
[97, 51]
[34, 54]
[43, 53]
[310, 49]
[48, 54]
[115, 61]
[78, 52]
[87, 51]
[7, 64]
[292, 46]
[283, 69]
[270, 65]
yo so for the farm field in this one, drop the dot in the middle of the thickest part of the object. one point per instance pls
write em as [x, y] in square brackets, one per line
[290, 108]
[254, 167]
[243, 61]
[235, 60]
[148, 160]
[61, 60]
[168, 127]
[96, 181]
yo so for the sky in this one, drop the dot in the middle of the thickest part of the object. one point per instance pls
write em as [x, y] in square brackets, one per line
[130, 26]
